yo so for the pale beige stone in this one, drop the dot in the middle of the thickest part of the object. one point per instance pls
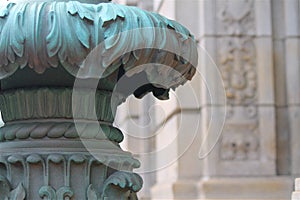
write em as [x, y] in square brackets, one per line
[294, 119]
[226, 188]
[166, 152]
[247, 188]
[297, 184]
[267, 135]
[274, 28]
[212, 88]
[166, 8]
[187, 14]
[213, 120]
[263, 18]
[291, 10]
[292, 47]
[188, 96]
[207, 10]
[265, 71]
[162, 191]
[189, 143]
[278, 19]
[296, 196]
[280, 73]
[283, 141]
[296, 193]
[182, 189]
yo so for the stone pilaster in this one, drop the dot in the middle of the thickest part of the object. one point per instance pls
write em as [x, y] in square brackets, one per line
[239, 37]
[292, 48]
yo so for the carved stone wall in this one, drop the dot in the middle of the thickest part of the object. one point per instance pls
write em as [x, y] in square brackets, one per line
[255, 46]
[237, 63]
[236, 18]
[242, 141]
[238, 67]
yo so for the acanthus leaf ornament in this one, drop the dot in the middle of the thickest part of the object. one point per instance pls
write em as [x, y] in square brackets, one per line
[4, 188]
[236, 17]
[6, 193]
[237, 65]
[18, 193]
[121, 185]
[91, 193]
[64, 193]
[47, 191]
[43, 46]
[70, 48]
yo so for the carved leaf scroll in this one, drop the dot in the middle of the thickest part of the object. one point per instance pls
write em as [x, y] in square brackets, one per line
[121, 185]
[4, 188]
[61, 194]
[18, 193]
[90, 26]
[237, 64]
[91, 193]
[64, 193]
[47, 191]
[7, 194]
[237, 17]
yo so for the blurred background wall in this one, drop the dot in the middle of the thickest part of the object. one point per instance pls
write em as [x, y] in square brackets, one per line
[247, 85]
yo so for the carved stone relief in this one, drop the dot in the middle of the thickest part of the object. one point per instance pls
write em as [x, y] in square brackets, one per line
[236, 17]
[6, 193]
[240, 142]
[237, 65]
[240, 138]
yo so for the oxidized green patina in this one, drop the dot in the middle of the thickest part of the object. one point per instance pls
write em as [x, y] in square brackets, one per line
[42, 42]
[45, 47]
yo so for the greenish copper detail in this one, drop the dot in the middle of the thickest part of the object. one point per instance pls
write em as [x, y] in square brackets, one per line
[91, 193]
[55, 103]
[121, 185]
[4, 188]
[50, 193]
[127, 183]
[87, 25]
[42, 42]
[46, 47]
[7, 194]
[18, 193]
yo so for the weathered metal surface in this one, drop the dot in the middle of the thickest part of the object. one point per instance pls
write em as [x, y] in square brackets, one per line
[43, 152]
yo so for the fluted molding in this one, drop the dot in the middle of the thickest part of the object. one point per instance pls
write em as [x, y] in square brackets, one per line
[56, 103]
[125, 182]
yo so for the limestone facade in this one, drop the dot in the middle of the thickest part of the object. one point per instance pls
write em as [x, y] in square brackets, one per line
[236, 136]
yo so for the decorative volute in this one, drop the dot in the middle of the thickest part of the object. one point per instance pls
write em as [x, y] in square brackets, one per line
[50, 50]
